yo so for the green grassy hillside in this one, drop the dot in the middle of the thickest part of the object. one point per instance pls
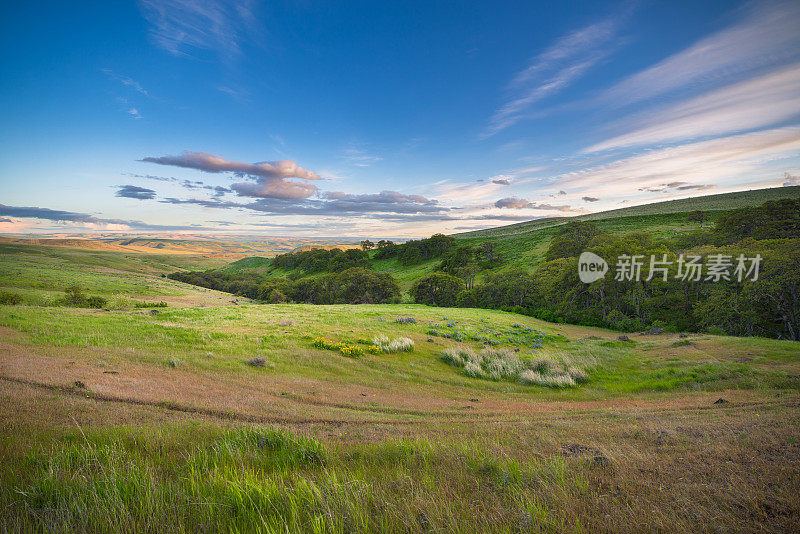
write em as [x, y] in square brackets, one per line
[523, 245]
[210, 415]
[720, 202]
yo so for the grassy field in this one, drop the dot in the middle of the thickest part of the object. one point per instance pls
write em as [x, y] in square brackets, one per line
[217, 414]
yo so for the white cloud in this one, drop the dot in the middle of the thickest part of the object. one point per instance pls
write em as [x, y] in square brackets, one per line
[766, 36]
[766, 100]
[124, 80]
[359, 157]
[554, 69]
[183, 27]
[718, 161]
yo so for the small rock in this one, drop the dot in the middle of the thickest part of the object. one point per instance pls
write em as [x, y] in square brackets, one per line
[624, 338]
[363, 394]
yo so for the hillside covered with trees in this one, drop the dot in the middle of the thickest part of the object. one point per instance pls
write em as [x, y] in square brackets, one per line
[737, 298]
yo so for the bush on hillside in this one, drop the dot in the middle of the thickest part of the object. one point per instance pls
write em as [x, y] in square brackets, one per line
[7, 297]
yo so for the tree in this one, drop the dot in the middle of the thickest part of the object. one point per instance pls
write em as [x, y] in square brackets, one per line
[437, 289]
[697, 216]
[367, 244]
[383, 243]
[572, 239]
[487, 255]
[363, 286]
[467, 273]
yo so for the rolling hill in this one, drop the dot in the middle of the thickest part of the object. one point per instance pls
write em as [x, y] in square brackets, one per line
[523, 245]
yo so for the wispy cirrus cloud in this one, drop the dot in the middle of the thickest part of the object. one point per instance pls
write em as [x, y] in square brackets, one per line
[555, 69]
[766, 35]
[126, 81]
[721, 161]
[187, 27]
[359, 157]
[270, 178]
[756, 103]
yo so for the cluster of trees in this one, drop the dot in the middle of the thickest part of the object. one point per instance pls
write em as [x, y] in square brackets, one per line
[466, 262]
[417, 251]
[351, 286]
[369, 245]
[322, 261]
[767, 306]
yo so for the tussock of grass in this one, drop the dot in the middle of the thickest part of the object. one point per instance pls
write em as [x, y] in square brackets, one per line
[503, 364]
[400, 344]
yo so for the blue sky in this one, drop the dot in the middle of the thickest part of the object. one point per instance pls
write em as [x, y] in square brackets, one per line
[385, 119]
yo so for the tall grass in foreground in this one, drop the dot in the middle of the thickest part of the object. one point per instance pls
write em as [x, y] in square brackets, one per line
[193, 479]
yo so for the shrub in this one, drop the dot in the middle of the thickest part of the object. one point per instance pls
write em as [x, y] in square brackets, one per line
[96, 302]
[276, 297]
[74, 296]
[256, 362]
[160, 304]
[6, 297]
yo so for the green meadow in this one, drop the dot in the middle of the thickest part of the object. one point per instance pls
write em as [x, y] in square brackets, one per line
[211, 412]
